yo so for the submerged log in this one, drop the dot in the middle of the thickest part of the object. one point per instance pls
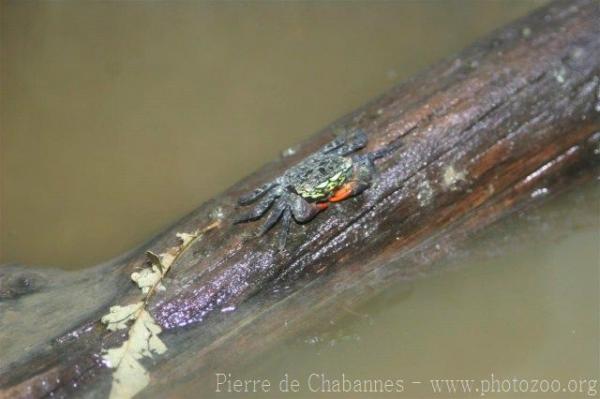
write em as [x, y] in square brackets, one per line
[504, 124]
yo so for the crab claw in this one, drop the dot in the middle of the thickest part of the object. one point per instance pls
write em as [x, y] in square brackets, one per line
[342, 193]
[322, 205]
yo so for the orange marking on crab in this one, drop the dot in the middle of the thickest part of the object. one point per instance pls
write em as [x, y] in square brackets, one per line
[322, 205]
[342, 193]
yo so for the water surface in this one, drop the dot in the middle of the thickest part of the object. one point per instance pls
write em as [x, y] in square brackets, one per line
[119, 118]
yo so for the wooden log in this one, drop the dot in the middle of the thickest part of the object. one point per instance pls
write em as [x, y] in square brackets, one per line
[504, 124]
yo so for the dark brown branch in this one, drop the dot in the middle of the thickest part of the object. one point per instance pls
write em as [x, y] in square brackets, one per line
[501, 125]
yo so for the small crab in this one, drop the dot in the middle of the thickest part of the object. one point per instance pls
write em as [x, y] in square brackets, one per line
[332, 174]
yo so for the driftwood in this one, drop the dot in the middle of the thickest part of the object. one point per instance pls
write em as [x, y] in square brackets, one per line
[506, 123]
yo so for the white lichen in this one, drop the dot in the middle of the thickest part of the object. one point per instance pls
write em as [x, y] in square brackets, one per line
[148, 278]
[118, 316]
[186, 238]
[217, 213]
[130, 376]
[560, 74]
[577, 53]
[452, 177]
[424, 193]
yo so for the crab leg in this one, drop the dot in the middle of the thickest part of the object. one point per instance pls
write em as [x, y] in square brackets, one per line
[349, 189]
[334, 144]
[358, 141]
[346, 144]
[258, 210]
[273, 217]
[285, 228]
[304, 211]
[363, 172]
[342, 193]
[252, 196]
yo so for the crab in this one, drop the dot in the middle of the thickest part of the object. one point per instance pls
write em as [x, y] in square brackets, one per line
[332, 174]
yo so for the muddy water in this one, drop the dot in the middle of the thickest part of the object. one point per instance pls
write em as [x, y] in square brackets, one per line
[506, 326]
[117, 119]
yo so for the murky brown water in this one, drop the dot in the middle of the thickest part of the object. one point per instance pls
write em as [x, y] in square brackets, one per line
[117, 119]
[531, 315]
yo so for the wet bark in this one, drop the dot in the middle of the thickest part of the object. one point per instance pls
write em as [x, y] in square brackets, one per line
[503, 125]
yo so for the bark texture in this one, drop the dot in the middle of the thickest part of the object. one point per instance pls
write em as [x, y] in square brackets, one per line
[505, 123]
